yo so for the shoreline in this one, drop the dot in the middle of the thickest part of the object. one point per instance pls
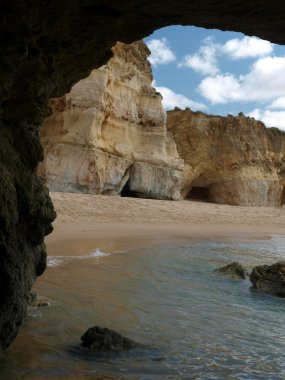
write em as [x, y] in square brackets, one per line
[87, 221]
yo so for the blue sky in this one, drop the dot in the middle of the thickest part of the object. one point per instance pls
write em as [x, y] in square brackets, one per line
[219, 72]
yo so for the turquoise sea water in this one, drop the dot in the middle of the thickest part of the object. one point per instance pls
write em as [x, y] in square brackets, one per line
[194, 323]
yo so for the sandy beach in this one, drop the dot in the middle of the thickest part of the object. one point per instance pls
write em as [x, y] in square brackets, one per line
[111, 223]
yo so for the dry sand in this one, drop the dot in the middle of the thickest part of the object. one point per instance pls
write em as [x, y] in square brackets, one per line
[86, 221]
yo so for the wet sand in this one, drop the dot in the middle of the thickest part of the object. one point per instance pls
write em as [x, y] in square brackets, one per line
[86, 221]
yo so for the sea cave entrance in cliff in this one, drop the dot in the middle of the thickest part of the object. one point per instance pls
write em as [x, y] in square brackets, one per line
[198, 193]
[127, 192]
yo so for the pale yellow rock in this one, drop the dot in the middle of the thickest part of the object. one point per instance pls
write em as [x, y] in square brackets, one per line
[230, 160]
[110, 127]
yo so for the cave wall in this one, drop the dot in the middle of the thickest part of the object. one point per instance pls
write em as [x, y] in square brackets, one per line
[45, 48]
[26, 213]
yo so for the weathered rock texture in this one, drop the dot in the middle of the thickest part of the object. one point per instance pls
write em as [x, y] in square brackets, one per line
[269, 279]
[26, 214]
[45, 48]
[230, 160]
[108, 133]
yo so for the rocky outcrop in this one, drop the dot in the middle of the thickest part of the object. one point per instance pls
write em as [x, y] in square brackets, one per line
[104, 339]
[234, 270]
[108, 134]
[269, 279]
[26, 213]
[45, 48]
[229, 160]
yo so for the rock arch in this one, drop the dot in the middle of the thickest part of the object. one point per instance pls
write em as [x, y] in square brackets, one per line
[45, 48]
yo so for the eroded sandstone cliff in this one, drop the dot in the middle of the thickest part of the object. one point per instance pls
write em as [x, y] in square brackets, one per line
[108, 134]
[45, 48]
[230, 160]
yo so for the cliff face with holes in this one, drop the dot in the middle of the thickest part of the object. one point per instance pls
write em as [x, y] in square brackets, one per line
[230, 160]
[108, 134]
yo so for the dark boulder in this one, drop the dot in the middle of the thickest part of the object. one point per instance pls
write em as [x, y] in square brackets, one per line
[234, 270]
[104, 339]
[269, 279]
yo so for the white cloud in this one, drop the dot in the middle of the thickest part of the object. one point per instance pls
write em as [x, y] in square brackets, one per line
[278, 103]
[161, 52]
[247, 47]
[269, 118]
[171, 99]
[256, 113]
[204, 61]
[264, 82]
[219, 89]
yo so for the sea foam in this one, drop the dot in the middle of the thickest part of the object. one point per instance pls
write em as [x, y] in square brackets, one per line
[55, 261]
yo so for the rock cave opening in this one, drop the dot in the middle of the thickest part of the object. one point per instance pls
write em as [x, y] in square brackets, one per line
[126, 192]
[198, 193]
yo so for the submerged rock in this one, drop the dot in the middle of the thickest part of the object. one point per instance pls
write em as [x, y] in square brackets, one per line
[104, 339]
[234, 270]
[269, 279]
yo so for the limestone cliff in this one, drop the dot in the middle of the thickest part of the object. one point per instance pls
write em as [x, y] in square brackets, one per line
[230, 160]
[108, 134]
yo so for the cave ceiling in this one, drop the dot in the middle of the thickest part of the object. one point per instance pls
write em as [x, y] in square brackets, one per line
[48, 46]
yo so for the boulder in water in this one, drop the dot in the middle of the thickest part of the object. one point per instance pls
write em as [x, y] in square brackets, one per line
[234, 270]
[269, 279]
[104, 339]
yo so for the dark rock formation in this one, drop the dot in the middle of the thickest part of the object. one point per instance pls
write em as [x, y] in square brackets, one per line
[104, 339]
[234, 270]
[45, 48]
[26, 213]
[269, 279]
[229, 160]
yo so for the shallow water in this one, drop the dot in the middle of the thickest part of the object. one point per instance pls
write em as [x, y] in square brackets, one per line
[194, 323]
